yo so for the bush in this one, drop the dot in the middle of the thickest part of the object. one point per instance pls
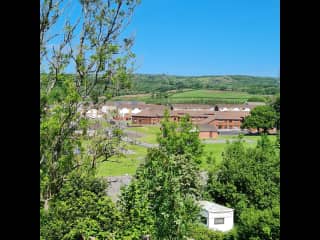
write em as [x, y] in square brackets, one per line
[200, 232]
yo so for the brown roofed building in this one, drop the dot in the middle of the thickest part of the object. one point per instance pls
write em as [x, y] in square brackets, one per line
[229, 120]
[207, 131]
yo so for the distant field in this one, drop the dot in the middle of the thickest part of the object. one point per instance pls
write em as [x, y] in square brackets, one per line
[197, 96]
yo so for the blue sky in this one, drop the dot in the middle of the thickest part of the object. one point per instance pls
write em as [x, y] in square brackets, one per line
[204, 37]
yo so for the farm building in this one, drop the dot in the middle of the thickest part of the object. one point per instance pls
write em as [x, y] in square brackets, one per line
[215, 216]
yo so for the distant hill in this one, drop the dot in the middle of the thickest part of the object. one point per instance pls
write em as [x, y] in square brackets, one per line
[148, 83]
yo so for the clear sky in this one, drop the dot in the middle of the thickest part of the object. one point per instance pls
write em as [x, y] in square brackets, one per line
[206, 37]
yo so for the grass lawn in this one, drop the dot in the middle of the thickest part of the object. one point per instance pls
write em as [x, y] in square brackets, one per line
[216, 149]
[149, 132]
[126, 164]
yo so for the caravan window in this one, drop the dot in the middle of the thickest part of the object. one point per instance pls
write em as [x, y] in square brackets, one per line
[219, 221]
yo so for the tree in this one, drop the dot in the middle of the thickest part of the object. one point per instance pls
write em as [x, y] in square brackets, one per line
[137, 217]
[180, 138]
[276, 107]
[169, 182]
[249, 181]
[98, 53]
[81, 210]
[261, 117]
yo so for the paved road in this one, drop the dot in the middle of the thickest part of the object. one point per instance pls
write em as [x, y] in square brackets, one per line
[225, 140]
[137, 142]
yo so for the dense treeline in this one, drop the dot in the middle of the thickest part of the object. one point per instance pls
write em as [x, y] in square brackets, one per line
[162, 83]
[159, 85]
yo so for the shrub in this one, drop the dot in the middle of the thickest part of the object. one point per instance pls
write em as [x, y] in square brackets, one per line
[200, 232]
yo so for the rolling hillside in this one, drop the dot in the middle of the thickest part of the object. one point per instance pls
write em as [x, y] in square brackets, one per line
[148, 83]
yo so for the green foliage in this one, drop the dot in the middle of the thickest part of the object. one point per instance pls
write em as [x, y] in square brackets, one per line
[201, 232]
[81, 210]
[260, 224]
[167, 185]
[180, 138]
[261, 117]
[162, 83]
[137, 217]
[276, 106]
[249, 181]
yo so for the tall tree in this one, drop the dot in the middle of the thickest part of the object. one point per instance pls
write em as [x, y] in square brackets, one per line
[261, 117]
[249, 181]
[94, 47]
[169, 181]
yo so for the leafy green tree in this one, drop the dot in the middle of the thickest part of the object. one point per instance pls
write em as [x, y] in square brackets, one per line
[168, 182]
[261, 117]
[258, 224]
[81, 210]
[180, 138]
[98, 54]
[276, 107]
[249, 181]
[137, 217]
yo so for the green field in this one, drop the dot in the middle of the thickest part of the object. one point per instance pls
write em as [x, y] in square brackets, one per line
[197, 96]
[128, 163]
[149, 133]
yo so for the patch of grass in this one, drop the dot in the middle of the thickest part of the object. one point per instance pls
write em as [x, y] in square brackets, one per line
[149, 132]
[215, 150]
[126, 164]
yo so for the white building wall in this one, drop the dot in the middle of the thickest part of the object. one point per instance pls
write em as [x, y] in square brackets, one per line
[228, 221]
[135, 111]
[124, 111]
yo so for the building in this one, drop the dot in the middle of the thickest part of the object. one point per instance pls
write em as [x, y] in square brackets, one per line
[207, 131]
[246, 107]
[148, 117]
[229, 120]
[93, 113]
[215, 216]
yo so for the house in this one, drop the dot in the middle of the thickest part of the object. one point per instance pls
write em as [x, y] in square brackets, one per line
[215, 216]
[148, 117]
[229, 119]
[93, 113]
[207, 131]
[235, 107]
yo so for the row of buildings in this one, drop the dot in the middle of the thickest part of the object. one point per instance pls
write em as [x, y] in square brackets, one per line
[210, 119]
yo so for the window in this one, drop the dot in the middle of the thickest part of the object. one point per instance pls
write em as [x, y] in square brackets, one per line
[203, 220]
[218, 220]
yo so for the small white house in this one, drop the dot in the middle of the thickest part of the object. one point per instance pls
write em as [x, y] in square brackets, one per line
[93, 113]
[108, 108]
[215, 216]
